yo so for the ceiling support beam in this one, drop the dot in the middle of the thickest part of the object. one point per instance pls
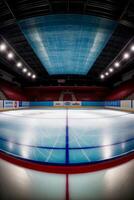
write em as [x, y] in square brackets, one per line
[124, 21]
[9, 8]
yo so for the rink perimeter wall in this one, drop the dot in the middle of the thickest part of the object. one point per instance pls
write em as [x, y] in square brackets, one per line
[126, 105]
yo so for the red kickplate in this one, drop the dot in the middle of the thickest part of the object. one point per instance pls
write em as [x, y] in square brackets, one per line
[67, 169]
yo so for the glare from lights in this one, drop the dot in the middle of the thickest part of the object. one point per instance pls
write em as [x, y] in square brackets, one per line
[3, 47]
[123, 145]
[33, 76]
[111, 69]
[25, 152]
[29, 73]
[10, 145]
[132, 48]
[10, 55]
[107, 151]
[126, 56]
[117, 64]
[102, 76]
[24, 70]
[106, 141]
[106, 73]
[19, 64]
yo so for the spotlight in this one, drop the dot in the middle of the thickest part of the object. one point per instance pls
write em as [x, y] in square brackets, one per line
[106, 73]
[10, 55]
[33, 76]
[126, 55]
[3, 47]
[111, 69]
[19, 64]
[29, 73]
[116, 64]
[24, 70]
[102, 76]
[132, 48]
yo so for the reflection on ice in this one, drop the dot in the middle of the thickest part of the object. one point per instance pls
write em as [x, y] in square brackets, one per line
[47, 136]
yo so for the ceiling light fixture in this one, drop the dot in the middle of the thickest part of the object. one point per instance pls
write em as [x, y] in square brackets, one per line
[29, 73]
[10, 55]
[3, 47]
[102, 76]
[24, 70]
[33, 76]
[132, 48]
[111, 69]
[19, 64]
[116, 64]
[126, 55]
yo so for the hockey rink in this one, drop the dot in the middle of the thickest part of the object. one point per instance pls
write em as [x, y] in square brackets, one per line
[66, 136]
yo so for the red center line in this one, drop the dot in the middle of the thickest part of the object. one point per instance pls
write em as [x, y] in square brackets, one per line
[67, 186]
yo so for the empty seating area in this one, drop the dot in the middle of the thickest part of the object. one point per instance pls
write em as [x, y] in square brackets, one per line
[122, 91]
[67, 96]
[89, 96]
[91, 93]
[130, 97]
[2, 96]
[11, 92]
[42, 93]
[66, 93]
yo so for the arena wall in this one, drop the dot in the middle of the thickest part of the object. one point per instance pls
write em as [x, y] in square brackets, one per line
[125, 105]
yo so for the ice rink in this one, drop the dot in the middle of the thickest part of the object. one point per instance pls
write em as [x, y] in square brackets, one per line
[66, 136]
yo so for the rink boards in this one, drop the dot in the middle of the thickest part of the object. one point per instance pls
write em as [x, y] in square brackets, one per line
[118, 104]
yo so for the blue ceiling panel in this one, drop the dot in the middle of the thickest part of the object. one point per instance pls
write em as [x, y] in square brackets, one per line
[69, 43]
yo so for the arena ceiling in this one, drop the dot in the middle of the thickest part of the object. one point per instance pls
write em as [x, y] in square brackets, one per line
[21, 21]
